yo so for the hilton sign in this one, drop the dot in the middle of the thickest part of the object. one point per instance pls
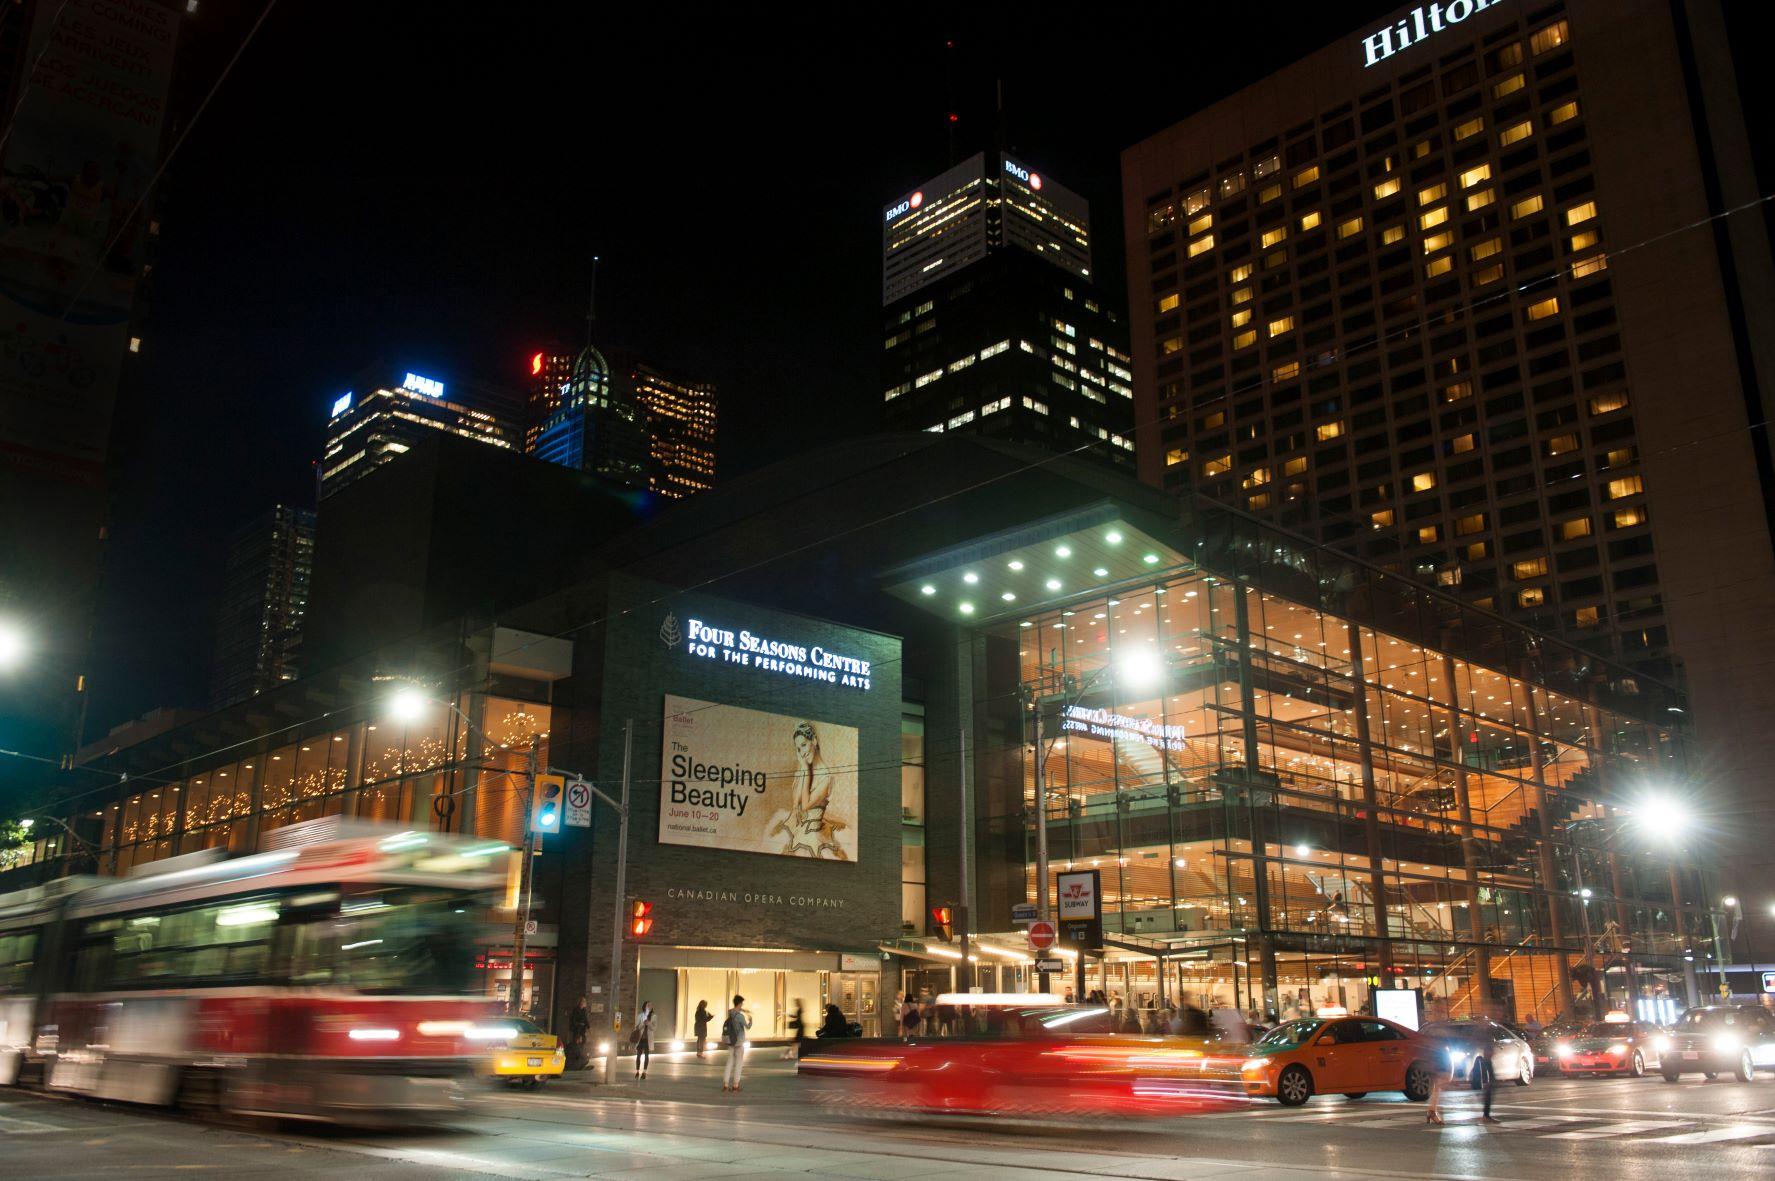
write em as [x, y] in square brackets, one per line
[1423, 22]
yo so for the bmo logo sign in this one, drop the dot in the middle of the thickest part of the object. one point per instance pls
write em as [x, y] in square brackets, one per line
[906, 206]
[1032, 179]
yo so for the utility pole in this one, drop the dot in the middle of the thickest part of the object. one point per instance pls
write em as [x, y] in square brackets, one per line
[1041, 834]
[621, 890]
[520, 928]
[967, 890]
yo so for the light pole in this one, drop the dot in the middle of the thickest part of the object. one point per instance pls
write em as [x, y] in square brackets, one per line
[1140, 668]
[12, 645]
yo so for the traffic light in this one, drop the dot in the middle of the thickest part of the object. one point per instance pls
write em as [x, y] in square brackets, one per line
[545, 810]
[943, 922]
[640, 918]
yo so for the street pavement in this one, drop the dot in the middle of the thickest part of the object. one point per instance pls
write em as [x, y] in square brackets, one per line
[679, 1126]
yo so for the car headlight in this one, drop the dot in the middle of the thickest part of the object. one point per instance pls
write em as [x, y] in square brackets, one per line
[1456, 1057]
[1661, 1044]
[1618, 1048]
[1563, 1050]
[1252, 1064]
[1727, 1043]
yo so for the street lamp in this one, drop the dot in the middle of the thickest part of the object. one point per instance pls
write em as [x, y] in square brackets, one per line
[1662, 816]
[12, 645]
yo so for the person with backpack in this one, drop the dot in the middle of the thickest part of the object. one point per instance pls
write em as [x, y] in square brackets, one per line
[733, 1031]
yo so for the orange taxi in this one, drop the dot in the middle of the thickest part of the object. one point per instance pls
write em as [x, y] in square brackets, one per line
[1339, 1056]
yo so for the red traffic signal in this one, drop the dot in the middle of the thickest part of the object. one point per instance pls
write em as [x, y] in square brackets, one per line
[943, 922]
[640, 918]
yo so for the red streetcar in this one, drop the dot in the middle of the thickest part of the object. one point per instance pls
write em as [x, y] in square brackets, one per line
[1024, 1055]
[328, 978]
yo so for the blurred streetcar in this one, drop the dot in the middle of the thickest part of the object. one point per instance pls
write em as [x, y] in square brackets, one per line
[1013, 1054]
[328, 978]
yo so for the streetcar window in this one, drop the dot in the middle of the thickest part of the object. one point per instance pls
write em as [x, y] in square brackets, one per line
[412, 940]
[18, 955]
[224, 942]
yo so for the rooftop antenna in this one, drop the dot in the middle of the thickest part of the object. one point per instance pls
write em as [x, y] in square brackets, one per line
[592, 303]
[951, 118]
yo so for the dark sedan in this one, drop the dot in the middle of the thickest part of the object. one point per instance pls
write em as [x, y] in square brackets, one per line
[1719, 1039]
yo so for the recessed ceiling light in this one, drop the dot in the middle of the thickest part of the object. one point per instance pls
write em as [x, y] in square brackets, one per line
[970, 578]
[1008, 597]
[1053, 584]
[966, 608]
[927, 589]
[1151, 559]
[1101, 572]
[1063, 551]
[1113, 538]
[1016, 565]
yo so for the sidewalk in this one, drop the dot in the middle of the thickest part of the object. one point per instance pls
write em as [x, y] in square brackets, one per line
[685, 1077]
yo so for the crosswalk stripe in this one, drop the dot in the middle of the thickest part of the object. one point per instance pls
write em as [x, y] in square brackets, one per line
[1715, 1135]
[1625, 1128]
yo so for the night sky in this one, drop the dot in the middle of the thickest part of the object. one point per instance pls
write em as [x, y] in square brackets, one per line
[427, 184]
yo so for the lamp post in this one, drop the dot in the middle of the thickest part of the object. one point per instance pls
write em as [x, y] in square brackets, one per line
[13, 645]
[1659, 817]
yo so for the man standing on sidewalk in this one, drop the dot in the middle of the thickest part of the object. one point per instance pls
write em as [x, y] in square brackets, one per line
[734, 1030]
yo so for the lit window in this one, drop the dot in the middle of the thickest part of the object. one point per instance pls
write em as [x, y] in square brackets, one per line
[1580, 213]
[1296, 466]
[1583, 241]
[1241, 295]
[1608, 403]
[1475, 175]
[1489, 274]
[1309, 221]
[1526, 206]
[1461, 444]
[1423, 481]
[1275, 259]
[1528, 568]
[1256, 478]
[1233, 184]
[1562, 445]
[1158, 219]
[1551, 37]
[1437, 242]
[1544, 308]
[1220, 465]
[1268, 193]
[1458, 391]
[1306, 176]
[1171, 344]
[1626, 486]
[1563, 113]
[1271, 237]
[1260, 501]
[1212, 421]
[1176, 456]
[1627, 518]
[1477, 551]
[1392, 234]
[1475, 523]
[1286, 372]
[1381, 519]
[1574, 528]
[1509, 55]
[1195, 202]
[1245, 339]
[1239, 273]
[1201, 224]
[1386, 188]
[1030, 403]
[1329, 430]
[1168, 303]
[1201, 245]
[135, 344]
[1435, 192]
[1532, 596]
[1470, 128]
[1509, 85]
[1589, 266]
[1620, 457]
[1586, 617]
[1241, 318]
[1485, 249]
[1439, 266]
[1434, 217]
[1516, 133]
[1266, 166]
[1281, 324]
[1428, 534]
[1350, 228]
[1480, 199]
[1422, 148]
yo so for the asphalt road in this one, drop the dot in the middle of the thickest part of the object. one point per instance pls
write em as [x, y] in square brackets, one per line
[679, 1126]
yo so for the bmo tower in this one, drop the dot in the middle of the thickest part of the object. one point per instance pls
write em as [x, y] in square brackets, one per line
[991, 321]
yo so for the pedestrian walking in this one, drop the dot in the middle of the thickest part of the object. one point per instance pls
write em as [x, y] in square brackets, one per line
[734, 1032]
[642, 1037]
[797, 1034]
[700, 1021]
[910, 1018]
[1486, 1078]
[1195, 1021]
[579, 1025]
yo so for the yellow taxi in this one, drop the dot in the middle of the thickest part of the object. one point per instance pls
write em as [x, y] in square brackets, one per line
[1339, 1056]
[523, 1054]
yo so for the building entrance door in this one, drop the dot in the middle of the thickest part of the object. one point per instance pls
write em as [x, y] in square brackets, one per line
[856, 995]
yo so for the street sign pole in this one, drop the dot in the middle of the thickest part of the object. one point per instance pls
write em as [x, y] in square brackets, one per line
[622, 899]
[515, 999]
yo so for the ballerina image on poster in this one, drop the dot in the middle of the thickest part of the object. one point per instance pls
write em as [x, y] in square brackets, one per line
[807, 829]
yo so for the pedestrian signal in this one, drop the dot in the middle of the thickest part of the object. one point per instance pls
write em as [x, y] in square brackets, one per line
[943, 922]
[545, 811]
[640, 918]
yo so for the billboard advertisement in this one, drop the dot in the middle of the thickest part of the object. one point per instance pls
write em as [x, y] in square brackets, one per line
[755, 782]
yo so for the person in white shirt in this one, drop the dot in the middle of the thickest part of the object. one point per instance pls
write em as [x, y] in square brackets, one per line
[734, 1031]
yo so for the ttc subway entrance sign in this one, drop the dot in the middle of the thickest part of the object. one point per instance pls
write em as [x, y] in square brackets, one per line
[579, 804]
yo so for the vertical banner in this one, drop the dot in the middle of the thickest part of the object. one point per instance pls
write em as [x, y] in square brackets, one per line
[741, 779]
[82, 148]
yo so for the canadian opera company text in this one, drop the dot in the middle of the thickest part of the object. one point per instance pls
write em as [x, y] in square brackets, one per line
[754, 898]
[796, 660]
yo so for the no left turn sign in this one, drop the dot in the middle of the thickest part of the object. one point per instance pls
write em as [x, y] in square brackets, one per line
[579, 804]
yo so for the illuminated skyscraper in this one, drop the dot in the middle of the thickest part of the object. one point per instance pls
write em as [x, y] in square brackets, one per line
[386, 415]
[264, 598]
[679, 419]
[549, 371]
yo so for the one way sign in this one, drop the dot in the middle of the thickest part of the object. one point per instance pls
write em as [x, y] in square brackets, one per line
[579, 804]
